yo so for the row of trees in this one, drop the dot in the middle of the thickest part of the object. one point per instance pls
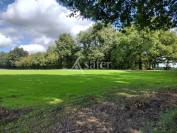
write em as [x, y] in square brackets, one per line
[126, 49]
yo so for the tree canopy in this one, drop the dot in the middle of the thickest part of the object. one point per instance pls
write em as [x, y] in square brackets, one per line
[154, 14]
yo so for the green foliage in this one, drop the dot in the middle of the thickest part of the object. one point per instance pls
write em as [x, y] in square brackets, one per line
[97, 42]
[38, 61]
[90, 44]
[15, 55]
[33, 61]
[58, 56]
[64, 47]
[3, 59]
[130, 48]
[143, 49]
[155, 14]
[52, 57]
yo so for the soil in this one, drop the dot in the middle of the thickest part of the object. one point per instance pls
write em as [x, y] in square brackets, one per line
[133, 115]
[8, 115]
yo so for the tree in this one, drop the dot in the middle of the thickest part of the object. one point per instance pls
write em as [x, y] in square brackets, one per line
[129, 50]
[25, 62]
[107, 37]
[155, 14]
[145, 49]
[15, 55]
[34, 61]
[3, 59]
[52, 57]
[167, 46]
[64, 47]
[90, 44]
[97, 42]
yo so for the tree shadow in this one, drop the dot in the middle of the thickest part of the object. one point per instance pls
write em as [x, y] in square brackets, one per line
[23, 90]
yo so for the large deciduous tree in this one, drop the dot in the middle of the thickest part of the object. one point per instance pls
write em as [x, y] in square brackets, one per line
[96, 43]
[15, 55]
[155, 14]
[145, 49]
[64, 48]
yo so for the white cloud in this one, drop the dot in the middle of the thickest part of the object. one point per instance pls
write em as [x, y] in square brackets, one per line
[33, 48]
[44, 40]
[5, 41]
[174, 30]
[76, 29]
[42, 21]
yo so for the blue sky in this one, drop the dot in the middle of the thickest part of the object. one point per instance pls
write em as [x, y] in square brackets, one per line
[35, 24]
[5, 3]
[3, 6]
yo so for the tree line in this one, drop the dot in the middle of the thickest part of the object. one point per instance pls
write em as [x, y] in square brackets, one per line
[129, 48]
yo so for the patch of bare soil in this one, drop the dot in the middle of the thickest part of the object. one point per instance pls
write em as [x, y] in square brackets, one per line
[131, 116]
[7, 115]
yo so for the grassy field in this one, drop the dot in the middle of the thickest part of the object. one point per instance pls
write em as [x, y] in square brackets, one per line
[44, 88]
[20, 88]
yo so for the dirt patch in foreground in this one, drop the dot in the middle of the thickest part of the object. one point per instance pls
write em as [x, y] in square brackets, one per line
[131, 116]
[7, 115]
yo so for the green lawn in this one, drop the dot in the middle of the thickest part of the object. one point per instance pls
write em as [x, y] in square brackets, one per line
[31, 88]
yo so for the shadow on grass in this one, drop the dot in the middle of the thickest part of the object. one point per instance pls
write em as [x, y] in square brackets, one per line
[36, 90]
[133, 114]
[97, 94]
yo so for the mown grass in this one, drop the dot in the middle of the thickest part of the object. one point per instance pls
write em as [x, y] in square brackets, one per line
[26, 88]
[45, 88]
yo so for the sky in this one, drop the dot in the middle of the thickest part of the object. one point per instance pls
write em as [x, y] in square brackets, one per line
[35, 24]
